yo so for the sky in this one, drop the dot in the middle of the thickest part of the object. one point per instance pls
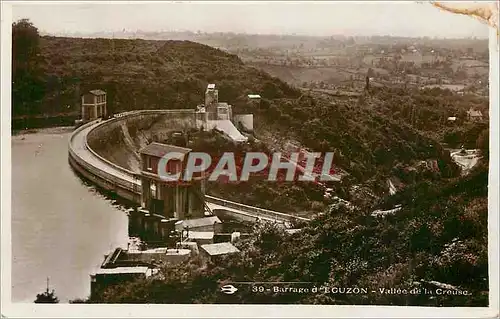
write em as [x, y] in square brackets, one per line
[412, 19]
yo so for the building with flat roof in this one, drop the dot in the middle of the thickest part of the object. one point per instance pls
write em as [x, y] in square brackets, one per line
[220, 249]
[158, 255]
[105, 277]
[212, 223]
[201, 237]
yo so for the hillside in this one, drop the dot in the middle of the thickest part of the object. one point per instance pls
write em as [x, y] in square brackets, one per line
[140, 74]
[369, 141]
[439, 237]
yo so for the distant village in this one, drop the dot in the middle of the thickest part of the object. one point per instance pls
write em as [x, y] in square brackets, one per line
[415, 64]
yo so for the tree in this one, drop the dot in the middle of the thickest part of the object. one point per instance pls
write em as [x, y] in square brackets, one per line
[483, 142]
[369, 74]
[47, 296]
[27, 86]
[25, 49]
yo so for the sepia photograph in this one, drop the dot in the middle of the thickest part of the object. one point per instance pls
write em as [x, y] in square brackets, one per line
[250, 153]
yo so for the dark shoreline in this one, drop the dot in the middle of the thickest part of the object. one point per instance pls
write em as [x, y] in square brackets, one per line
[124, 204]
[42, 121]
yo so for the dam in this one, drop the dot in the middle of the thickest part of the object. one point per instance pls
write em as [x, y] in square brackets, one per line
[106, 152]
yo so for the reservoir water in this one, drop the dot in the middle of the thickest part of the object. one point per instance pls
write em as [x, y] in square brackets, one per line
[61, 227]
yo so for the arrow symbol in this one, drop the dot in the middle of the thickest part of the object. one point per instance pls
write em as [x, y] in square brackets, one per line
[229, 289]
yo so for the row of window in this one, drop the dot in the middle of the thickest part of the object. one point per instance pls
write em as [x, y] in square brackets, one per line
[91, 99]
[172, 167]
[100, 98]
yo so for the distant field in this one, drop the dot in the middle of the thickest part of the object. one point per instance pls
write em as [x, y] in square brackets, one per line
[470, 63]
[298, 75]
[472, 67]
[417, 58]
[452, 87]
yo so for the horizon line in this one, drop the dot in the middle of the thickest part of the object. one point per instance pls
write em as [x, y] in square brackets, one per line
[112, 33]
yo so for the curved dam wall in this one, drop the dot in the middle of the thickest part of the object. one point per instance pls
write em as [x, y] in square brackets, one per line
[120, 139]
[105, 152]
[80, 161]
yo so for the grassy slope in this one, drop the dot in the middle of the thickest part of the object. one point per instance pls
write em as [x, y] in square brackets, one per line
[140, 74]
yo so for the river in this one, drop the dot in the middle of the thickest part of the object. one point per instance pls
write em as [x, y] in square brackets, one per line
[61, 227]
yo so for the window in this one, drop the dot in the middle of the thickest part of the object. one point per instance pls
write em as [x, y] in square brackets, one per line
[153, 188]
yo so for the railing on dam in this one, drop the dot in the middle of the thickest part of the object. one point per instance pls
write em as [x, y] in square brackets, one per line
[129, 182]
[261, 212]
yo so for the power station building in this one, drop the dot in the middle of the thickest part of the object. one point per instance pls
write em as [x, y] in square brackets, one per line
[219, 116]
[216, 110]
[177, 199]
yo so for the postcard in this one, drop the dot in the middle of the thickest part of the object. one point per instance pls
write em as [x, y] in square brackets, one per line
[249, 159]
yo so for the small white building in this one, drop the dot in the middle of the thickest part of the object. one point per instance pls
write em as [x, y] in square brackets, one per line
[220, 249]
[212, 223]
[474, 115]
[254, 96]
[235, 237]
[201, 237]
[166, 255]
[105, 277]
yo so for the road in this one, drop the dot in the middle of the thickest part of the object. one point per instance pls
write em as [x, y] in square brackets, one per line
[79, 145]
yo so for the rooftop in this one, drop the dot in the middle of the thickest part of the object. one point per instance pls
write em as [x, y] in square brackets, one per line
[180, 251]
[161, 250]
[200, 222]
[220, 249]
[253, 96]
[159, 149]
[98, 92]
[211, 86]
[186, 244]
[473, 112]
[122, 270]
[201, 235]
